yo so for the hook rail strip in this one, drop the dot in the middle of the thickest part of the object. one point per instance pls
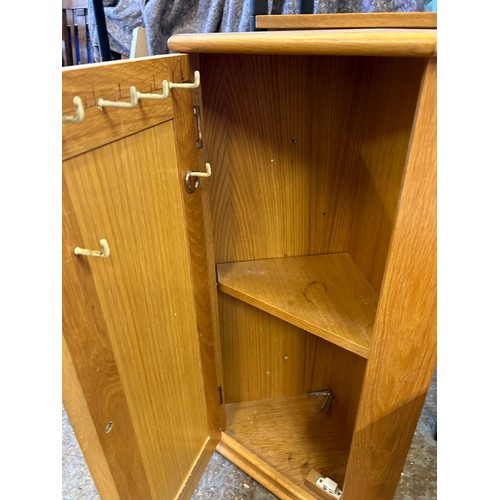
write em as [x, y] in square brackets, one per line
[135, 97]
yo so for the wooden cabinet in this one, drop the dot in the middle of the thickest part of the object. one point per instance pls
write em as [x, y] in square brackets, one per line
[305, 264]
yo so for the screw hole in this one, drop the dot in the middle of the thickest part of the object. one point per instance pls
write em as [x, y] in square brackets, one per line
[109, 426]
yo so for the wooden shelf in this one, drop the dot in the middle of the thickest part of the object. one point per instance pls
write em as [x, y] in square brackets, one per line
[290, 435]
[326, 295]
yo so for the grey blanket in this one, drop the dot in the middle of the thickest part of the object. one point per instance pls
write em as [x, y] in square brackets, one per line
[164, 18]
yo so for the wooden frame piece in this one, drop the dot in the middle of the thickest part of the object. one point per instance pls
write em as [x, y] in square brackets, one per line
[409, 20]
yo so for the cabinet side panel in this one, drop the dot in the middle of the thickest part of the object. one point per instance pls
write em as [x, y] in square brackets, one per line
[279, 130]
[390, 92]
[403, 356]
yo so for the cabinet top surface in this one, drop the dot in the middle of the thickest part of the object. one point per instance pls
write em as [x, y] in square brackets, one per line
[354, 42]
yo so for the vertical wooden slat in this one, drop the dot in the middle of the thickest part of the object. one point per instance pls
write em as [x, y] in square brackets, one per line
[66, 54]
[202, 263]
[81, 22]
[71, 25]
[403, 356]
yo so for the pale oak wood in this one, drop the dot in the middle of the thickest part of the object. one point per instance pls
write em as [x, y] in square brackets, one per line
[264, 357]
[87, 337]
[260, 470]
[112, 81]
[403, 354]
[324, 294]
[202, 262]
[389, 93]
[208, 243]
[348, 20]
[145, 291]
[265, 137]
[83, 426]
[314, 353]
[346, 42]
[141, 297]
[292, 435]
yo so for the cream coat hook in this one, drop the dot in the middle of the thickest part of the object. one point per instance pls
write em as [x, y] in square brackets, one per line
[117, 104]
[194, 85]
[79, 112]
[103, 253]
[191, 188]
[164, 95]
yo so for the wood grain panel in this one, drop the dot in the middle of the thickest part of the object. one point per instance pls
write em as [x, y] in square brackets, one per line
[87, 336]
[128, 192]
[345, 42]
[202, 262]
[260, 470]
[403, 354]
[348, 20]
[292, 435]
[385, 121]
[324, 294]
[259, 158]
[273, 145]
[84, 428]
[209, 249]
[340, 371]
[265, 357]
[112, 81]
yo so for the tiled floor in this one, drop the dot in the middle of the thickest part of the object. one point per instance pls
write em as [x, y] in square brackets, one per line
[223, 480]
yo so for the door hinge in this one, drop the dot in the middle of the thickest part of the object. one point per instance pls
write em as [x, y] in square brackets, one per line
[199, 136]
[221, 399]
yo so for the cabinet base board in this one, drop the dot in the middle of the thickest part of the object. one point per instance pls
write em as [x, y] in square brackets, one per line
[286, 437]
[259, 470]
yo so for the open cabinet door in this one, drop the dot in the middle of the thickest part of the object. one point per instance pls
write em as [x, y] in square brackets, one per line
[139, 377]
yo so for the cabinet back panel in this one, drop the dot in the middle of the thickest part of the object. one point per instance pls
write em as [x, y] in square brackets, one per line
[308, 153]
[278, 132]
[265, 357]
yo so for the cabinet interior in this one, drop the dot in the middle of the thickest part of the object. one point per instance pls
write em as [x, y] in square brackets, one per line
[308, 155]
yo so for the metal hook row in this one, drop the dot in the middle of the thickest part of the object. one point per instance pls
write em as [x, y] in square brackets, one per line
[135, 97]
